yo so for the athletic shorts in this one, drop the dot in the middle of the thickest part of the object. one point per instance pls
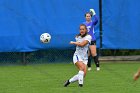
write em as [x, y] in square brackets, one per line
[77, 58]
[93, 42]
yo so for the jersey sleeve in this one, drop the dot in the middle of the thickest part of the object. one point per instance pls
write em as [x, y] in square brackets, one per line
[95, 20]
[88, 38]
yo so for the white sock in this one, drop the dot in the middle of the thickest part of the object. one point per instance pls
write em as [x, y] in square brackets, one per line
[81, 77]
[74, 78]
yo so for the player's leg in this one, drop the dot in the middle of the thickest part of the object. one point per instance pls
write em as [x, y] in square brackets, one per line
[85, 69]
[89, 60]
[75, 77]
[94, 55]
[78, 77]
[71, 80]
[82, 72]
[78, 62]
[137, 75]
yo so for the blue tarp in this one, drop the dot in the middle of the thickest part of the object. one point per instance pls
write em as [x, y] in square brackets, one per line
[23, 21]
[121, 24]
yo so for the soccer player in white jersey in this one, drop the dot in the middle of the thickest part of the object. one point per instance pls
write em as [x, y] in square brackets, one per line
[92, 48]
[80, 57]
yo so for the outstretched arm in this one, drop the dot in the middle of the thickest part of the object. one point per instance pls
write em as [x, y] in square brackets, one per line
[92, 11]
[84, 42]
[81, 44]
[95, 20]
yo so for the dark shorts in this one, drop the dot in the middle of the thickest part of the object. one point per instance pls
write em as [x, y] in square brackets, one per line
[93, 42]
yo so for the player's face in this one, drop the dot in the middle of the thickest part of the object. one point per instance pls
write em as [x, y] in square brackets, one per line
[88, 17]
[83, 30]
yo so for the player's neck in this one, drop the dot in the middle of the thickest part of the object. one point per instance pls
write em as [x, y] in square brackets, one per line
[88, 21]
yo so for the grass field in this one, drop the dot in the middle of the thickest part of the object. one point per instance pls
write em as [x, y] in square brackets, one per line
[49, 78]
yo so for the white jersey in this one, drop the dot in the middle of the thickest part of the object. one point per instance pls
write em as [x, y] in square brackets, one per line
[81, 53]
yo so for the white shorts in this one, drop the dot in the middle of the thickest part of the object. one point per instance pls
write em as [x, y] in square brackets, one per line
[77, 58]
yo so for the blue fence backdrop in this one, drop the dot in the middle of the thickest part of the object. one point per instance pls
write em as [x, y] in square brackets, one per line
[121, 24]
[23, 21]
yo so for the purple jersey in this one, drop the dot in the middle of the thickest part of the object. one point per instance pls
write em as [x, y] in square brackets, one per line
[90, 27]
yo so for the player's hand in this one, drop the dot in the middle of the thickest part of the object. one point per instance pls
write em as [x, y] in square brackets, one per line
[92, 11]
[71, 42]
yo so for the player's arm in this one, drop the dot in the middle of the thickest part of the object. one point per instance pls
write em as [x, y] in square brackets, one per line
[81, 44]
[95, 20]
[92, 11]
[85, 42]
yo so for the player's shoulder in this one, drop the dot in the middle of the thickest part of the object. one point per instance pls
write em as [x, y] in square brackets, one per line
[88, 36]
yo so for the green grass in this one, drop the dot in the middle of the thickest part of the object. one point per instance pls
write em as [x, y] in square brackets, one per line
[49, 78]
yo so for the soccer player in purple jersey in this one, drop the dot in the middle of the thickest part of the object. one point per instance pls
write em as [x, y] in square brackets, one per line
[92, 48]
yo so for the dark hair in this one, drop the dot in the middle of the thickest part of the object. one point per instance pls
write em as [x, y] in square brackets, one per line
[88, 13]
[85, 28]
[83, 25]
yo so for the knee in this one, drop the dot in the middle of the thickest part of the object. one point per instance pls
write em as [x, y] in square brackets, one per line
[84, 70]
[81, 68]
[93, 54]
